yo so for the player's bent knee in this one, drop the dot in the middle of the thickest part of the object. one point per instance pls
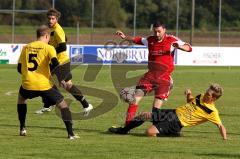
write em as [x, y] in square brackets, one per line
[158, 102]
[62, 104]
[152, 131]
[69, 85]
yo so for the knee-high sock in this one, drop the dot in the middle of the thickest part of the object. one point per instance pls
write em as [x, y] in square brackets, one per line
[78, 95]
[132, 109]
[22, 111]
[137, 121]
[67, 119]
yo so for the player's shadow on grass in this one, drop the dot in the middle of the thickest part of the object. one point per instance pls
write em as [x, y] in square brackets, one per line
[208, 132]
[29, 127]
[138, 135]
[130, 134]
[33, 126]
[143, 134]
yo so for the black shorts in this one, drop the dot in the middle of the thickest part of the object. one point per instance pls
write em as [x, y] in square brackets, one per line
[52, 95]
[167, 122]
[46, 101]
[63, 72]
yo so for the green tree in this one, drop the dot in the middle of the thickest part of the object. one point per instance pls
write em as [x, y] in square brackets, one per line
[70, 11]
[167, 13]
[32, 18]
[6, 18]
[117, 13]
[145, 12]
[230, 14]
[108, 13]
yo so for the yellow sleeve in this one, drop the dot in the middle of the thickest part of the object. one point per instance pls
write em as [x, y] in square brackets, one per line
[52, 52]
[60, 36]
[21, 55]
[214, 118]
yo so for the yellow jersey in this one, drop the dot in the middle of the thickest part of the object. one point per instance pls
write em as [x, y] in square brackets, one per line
[197, 112]
[35, 59]
[57, 37]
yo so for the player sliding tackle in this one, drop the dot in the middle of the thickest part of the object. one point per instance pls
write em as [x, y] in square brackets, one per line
[169, 122]
[161, 47]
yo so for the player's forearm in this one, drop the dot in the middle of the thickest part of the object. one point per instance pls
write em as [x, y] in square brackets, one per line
[129, 38]
[223, 132]
[185, 47]
[189, 97]
[123, 36]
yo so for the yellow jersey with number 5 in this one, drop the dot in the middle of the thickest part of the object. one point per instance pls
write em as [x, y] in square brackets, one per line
[35, 59]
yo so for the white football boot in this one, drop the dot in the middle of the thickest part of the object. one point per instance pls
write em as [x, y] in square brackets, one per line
[87, 110]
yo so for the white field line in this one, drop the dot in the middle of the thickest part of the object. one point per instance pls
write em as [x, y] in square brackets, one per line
[9, 93]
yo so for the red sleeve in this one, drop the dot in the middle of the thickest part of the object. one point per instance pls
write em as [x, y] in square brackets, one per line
[138, 40]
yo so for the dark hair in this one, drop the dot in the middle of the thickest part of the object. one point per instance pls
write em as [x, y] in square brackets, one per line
[159, 24]
[42, 30]
[54, 12]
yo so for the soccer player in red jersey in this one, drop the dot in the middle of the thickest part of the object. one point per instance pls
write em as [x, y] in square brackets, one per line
[161, 47]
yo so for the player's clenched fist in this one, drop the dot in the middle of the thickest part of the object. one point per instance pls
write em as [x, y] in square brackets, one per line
[187, 92]
[121, 34]
[176, 45]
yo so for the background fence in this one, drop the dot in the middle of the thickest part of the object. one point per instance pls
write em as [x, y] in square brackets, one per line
[95, 21]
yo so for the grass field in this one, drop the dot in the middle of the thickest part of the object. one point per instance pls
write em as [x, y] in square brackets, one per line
[47, 137]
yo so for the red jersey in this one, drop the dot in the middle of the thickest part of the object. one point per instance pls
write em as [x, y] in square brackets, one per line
[161, 53]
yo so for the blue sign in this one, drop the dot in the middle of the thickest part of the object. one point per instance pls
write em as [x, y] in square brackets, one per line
[76, 54]
[96, 54]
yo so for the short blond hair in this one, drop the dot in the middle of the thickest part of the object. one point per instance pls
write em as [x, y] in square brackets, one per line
[42, 30]
[217, 89]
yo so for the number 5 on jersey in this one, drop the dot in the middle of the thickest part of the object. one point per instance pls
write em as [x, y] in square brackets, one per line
[31, 59]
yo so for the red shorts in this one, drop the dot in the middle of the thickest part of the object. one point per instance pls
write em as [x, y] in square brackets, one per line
[159, 82]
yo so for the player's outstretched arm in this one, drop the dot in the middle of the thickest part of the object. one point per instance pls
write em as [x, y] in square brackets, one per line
[123, 36]
[186, 47]
[222, 131]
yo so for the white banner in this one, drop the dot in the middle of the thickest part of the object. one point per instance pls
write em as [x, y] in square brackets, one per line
[209, 56]
[200, 56]
[9, 53]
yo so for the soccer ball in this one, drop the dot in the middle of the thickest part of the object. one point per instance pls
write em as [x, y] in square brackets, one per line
[128, 94]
